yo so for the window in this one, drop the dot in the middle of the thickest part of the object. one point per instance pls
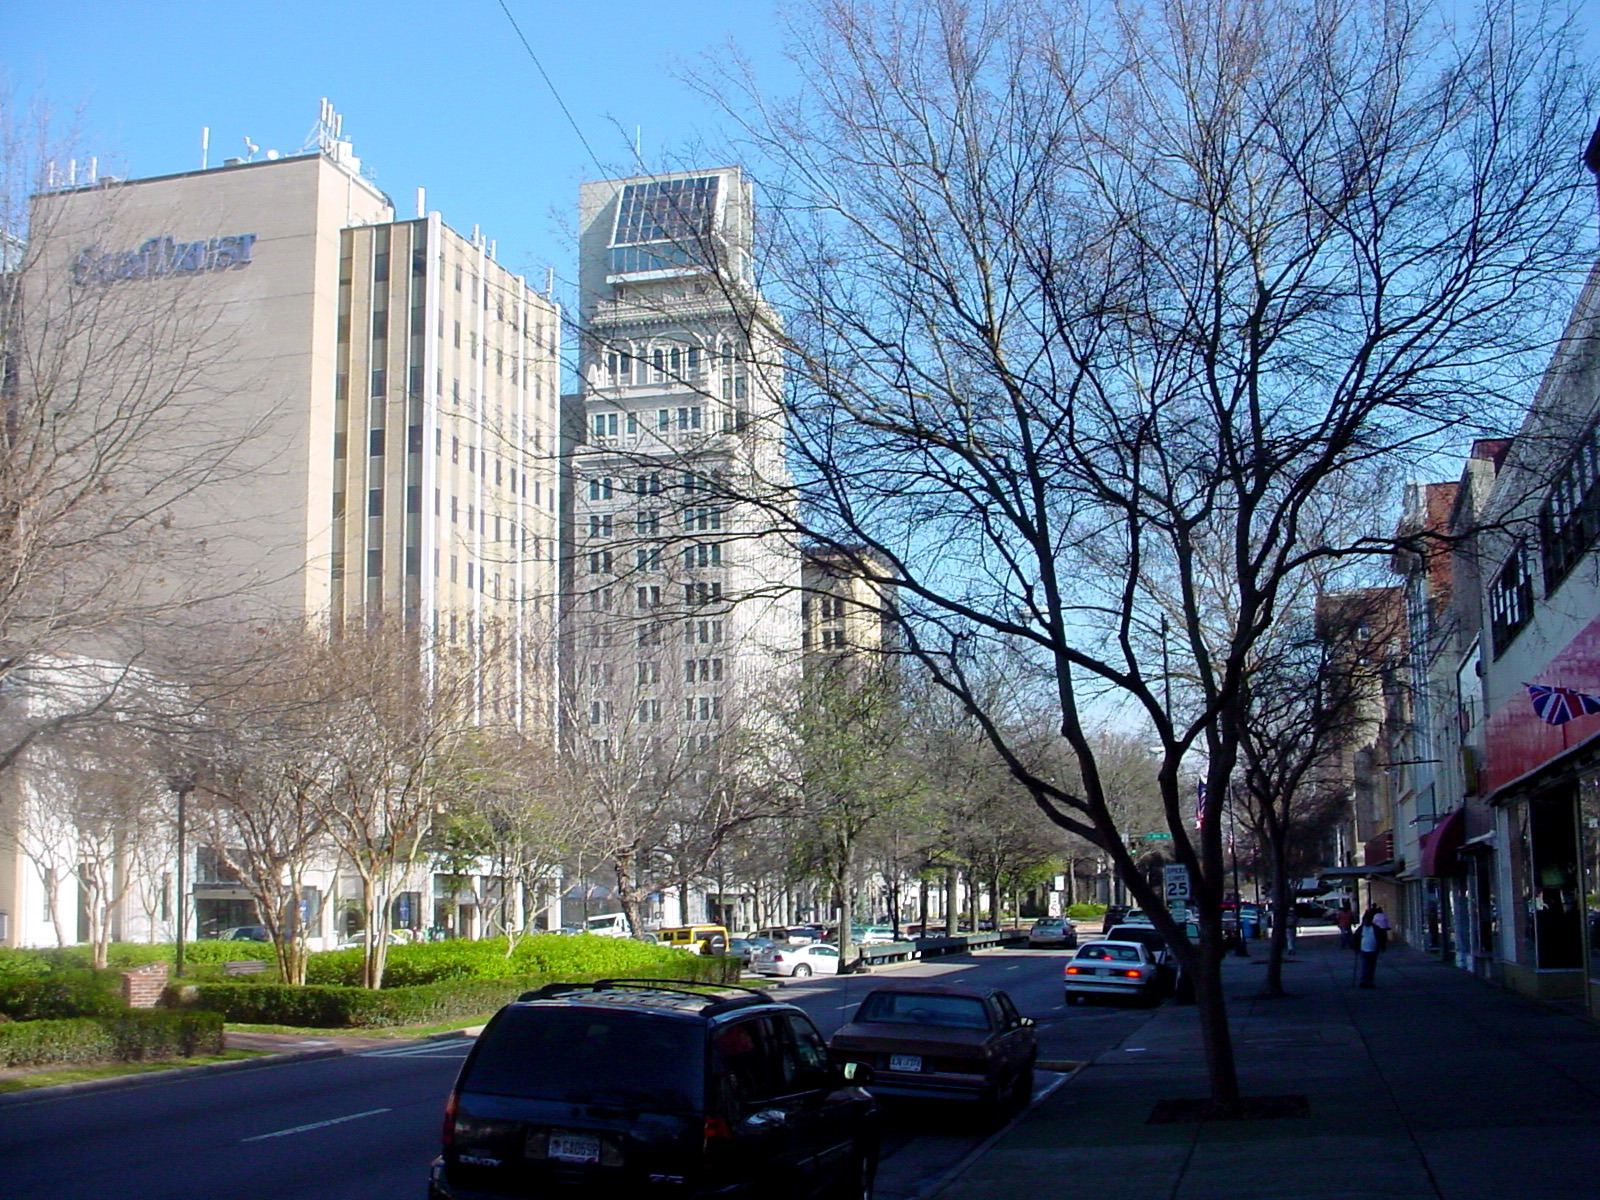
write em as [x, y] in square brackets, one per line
[663, 419]
[375, 502]
[378, 383]
[599, 489]
[648, 521]
[605, 425]
[375, 443]
[702, 670]
[650, 635]
[599, 562]
[689, 417]
[833, 639]
[703, 554]
[702, 708]
[599, 525]
[648, 672]
[694, 360]
[374, 563]
[648, 597]
[647, 558]
[1510, 599]
[633, 424]
[649, 710]
[1569, 521]
[703, 633]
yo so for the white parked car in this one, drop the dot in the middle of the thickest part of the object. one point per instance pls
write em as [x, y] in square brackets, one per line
[813, 958]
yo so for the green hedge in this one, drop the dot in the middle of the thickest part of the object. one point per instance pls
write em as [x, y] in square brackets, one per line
[61, 994]
[1081, 912]
[327, 1006]
[548, 956]
[128, 1036]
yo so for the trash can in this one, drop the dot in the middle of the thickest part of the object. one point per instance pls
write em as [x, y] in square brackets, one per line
[1247, 928]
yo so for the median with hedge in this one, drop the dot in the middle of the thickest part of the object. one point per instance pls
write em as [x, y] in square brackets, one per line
[442, 981]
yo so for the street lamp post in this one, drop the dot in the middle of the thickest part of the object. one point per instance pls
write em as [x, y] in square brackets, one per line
[181, 786]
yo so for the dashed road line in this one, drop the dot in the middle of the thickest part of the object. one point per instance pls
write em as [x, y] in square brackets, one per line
[278, 1133]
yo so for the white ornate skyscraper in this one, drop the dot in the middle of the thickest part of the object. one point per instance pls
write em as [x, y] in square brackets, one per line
[685, 608]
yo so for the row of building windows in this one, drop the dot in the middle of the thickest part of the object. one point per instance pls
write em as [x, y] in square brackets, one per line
[648, 710]
[651, 483]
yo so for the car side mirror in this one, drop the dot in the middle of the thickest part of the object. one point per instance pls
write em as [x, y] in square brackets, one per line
[858, 1074]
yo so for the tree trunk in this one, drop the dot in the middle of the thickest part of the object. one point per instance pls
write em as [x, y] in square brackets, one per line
[1213, 1016]
[627, 889]
[1278, 946]
[951, 920]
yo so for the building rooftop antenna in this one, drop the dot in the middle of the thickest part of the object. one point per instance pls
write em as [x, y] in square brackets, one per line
[326, 133]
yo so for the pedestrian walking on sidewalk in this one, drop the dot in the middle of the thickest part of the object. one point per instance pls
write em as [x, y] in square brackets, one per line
[1380, 922]
[1345, 920]
[1367, 948]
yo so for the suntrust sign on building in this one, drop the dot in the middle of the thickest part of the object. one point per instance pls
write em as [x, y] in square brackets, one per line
[163, 256]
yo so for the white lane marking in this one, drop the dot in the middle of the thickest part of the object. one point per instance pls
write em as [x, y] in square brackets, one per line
[448, 1049]
[277, 1133]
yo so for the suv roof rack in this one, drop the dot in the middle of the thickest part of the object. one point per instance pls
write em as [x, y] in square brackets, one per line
[714, 1005]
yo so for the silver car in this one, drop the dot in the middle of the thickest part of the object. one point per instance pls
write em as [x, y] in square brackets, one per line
[1125, 970]
[1055, 932]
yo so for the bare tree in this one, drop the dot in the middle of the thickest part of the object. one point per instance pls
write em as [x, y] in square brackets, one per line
[1078, 298]
[399, 712]
[1308, 697]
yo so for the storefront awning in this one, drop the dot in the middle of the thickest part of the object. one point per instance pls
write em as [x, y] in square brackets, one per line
[1376, 870]
[1441, 845]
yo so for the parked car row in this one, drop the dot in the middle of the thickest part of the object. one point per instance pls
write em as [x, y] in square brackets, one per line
[722, 1094]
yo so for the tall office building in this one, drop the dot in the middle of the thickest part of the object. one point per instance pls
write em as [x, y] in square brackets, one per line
[343, 418]
[383, 397]
[685, 615]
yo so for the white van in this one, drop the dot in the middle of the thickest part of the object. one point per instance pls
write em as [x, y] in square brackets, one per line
[609, 925]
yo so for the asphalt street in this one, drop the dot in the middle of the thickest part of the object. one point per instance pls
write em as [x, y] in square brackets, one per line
[365, 1126]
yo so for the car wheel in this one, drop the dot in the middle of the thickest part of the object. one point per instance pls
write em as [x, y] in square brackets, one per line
[858, 1179]
[801, 971]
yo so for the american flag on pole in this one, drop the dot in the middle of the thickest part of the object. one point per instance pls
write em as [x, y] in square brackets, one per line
[1558, 705]
[1200, 803]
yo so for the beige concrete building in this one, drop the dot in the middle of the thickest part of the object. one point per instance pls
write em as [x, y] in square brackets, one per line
[381, 396]
[344, 418]
[843, 612]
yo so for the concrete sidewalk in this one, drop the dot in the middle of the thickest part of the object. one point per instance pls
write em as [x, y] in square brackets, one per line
[1432, 1085]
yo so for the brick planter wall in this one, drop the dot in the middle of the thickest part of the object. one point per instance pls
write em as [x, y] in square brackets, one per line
[142, 986]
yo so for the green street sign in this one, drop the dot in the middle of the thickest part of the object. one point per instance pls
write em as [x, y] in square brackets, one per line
[1158, 837]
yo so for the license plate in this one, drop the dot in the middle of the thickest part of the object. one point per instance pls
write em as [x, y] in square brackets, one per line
[574, 1148]
[905, 1062]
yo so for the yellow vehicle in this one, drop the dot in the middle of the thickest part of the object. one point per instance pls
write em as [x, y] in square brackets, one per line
[697, 939]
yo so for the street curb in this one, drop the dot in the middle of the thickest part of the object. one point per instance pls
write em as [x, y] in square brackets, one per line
[59, 1090]
[956, 1172]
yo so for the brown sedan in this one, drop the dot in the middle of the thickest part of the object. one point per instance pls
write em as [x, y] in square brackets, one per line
[941, 1041]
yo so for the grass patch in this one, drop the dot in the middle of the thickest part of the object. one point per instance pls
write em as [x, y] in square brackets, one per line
[52, 1076]
[396, 1032]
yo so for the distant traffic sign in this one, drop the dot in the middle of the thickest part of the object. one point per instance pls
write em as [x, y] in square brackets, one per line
[1160, 835]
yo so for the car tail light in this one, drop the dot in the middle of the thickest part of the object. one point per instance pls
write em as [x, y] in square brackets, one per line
[450, 1120]
[1073, 971]
[777, 958]
[1134, 974]
[716, 1134]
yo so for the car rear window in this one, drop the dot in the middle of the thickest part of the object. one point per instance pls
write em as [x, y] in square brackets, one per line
[913, 1008]
[1106, 953]
[591, 1057]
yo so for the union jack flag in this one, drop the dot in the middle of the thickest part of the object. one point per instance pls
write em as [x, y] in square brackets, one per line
[1558, 705]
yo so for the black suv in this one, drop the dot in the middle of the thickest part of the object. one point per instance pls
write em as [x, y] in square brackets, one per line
[632, 1088]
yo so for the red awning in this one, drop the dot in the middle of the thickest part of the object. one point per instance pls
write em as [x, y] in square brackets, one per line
[1441, 845]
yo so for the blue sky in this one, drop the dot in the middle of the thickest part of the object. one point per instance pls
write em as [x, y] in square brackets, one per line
[438, 95]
